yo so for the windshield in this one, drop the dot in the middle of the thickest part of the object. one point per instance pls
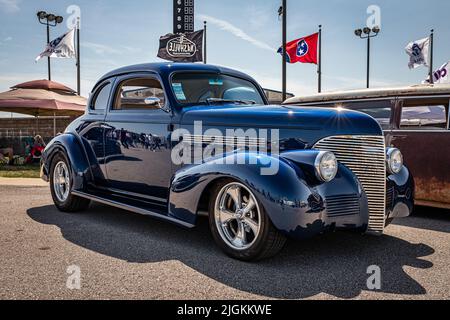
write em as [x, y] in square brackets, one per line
[210, 88]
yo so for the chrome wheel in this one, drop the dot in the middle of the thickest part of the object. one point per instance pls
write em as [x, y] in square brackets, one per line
[61, 181]
[237, 216]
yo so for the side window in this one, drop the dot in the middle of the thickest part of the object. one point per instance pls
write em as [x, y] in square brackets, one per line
[139, 94]
[101, 98]
[380, 110]
[424, 115]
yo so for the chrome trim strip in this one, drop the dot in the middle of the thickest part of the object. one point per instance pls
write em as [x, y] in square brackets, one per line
[365, 156]
[133, 194]
[353, 100]
[416, 130]
[131, 208]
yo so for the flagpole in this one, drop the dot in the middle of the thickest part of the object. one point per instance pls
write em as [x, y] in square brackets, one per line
[431, 56]
[283, 51]
[205, 47]
[319, 69]
[48, 58]
[78, 58]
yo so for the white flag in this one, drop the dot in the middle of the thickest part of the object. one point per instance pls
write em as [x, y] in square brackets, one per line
[441, 74]
[418, 52]
[61, 47]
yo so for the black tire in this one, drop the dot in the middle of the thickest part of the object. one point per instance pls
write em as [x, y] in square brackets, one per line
[268, 243]
[73, 203]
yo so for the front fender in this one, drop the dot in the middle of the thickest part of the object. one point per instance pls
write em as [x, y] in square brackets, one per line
[71, 145]
[295, 205]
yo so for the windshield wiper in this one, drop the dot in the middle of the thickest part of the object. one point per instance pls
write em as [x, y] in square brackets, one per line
[218, 100]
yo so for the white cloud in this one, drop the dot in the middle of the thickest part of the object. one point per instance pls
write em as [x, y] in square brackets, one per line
[100, 49]
[7, 39]
[226, 26]
[105, 50]
[130, 49]
[10, 6]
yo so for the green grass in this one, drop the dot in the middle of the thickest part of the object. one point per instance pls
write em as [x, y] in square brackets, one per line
[27, 171]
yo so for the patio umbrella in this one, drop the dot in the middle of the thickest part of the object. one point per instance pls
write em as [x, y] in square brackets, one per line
[42, 98]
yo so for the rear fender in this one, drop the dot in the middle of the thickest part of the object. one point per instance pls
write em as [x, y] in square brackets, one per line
[76, 153]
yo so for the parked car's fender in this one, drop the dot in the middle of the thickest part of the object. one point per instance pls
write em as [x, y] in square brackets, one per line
[293, 198]
[400, 190]
[71, 145]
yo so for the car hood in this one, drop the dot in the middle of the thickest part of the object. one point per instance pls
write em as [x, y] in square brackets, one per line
[326, 121]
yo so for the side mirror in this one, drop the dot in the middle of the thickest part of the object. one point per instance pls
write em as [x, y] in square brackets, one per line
[153, 101]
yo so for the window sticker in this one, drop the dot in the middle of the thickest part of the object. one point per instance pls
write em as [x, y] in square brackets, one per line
[179, 93]
[215, 82]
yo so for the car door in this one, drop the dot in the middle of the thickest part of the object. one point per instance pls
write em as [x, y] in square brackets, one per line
[92, 129]
[138, 156]
[422, 134]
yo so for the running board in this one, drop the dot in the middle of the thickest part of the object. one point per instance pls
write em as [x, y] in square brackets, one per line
[134, 209]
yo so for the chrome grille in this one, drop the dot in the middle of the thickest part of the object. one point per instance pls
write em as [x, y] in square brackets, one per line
[344, 205]
[366, 157]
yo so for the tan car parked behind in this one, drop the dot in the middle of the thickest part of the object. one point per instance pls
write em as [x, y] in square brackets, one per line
[415, 120]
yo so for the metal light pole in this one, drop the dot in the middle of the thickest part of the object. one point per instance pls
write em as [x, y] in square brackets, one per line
[368, 33]
[49, 20]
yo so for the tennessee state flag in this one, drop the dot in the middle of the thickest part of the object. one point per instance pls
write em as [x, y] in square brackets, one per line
[303, 50]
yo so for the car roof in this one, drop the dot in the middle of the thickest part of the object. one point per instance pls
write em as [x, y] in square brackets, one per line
[165, 68]
[417, 90]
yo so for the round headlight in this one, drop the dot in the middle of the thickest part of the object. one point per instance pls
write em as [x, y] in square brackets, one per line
[394, 159]
[326, 166]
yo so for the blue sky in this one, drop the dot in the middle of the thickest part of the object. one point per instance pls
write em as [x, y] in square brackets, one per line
[243, 34]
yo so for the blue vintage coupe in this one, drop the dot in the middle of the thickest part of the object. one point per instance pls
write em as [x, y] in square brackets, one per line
[178, 141]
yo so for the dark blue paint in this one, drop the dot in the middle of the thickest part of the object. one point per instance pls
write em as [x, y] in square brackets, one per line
[294, 199]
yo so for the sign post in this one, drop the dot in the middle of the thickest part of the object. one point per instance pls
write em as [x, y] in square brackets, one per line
[183, 16]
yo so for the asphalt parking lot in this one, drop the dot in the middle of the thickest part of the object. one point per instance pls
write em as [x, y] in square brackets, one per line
[126, 256]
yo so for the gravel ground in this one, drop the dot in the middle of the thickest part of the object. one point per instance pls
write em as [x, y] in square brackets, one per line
[125, 256]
